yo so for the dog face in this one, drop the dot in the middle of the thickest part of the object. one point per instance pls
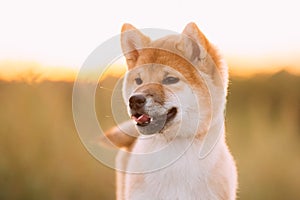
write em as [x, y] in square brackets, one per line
[164, 88]
[155, 95]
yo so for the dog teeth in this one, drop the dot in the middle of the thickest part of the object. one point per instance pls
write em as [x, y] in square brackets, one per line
[144, 123]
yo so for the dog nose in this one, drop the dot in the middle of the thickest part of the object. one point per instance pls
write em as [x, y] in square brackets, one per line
[137, 101]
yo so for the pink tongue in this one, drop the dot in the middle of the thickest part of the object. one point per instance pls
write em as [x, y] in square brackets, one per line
[141, 119]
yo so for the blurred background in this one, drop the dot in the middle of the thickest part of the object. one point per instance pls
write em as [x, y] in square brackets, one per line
[43, 45]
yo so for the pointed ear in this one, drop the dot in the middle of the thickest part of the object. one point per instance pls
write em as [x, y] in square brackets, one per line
[132, 40]
[193, 43]
[203, 54]
[192, 31]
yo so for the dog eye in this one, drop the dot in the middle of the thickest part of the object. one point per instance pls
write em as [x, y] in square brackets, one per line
[138, 81]
[170, 80]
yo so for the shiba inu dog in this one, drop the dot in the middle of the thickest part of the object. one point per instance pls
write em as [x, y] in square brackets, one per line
[175, 91]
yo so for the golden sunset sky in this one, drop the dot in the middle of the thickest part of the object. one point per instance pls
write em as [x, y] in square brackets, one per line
[56, 37]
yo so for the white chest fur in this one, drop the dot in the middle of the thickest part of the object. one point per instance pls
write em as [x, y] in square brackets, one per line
[187, 178]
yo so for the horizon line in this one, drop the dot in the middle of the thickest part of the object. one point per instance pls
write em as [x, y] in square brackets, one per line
[30, 71]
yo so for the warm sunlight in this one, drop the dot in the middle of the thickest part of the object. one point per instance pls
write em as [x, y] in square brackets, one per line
[255, 36]
[247, 66]
[61, 92]
[34, 72]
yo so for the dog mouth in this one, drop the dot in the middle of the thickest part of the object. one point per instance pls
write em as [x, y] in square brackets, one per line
[143, 119]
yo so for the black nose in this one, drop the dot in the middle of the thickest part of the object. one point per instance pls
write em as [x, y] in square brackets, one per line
[137, 101]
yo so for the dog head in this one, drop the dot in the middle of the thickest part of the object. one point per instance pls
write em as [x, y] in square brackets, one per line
[172, 82]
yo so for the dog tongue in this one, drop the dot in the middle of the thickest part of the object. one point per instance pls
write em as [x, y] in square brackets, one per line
[141, 119]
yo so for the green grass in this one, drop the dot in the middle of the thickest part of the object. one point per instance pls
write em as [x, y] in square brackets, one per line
[41, 156]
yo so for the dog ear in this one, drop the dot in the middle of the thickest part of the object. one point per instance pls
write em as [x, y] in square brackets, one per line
[132, 40]
[195, 47]
[203, 55]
